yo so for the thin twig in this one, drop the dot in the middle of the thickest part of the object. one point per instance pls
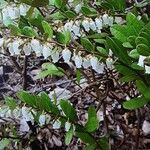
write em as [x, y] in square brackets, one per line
[24, 73]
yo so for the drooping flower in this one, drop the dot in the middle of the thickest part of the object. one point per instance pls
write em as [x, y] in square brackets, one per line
[46, 51]
[105, 18]
[78, 60]
[23, 9]
[118, 20]
[92, 25]
[13, 12]
[94, 62]
[99, 23]
[86, 25]
[100, 68]
[141, 60]
[36, 47]
[111, 21]
[10, 49]
[55, 56]
[86, 63]
[42, 120]
[66, 54]
[67, 126]
[77, 8]
[15, 46]
[68, 26]
[27, 49]
[109, 63]
[147, 69]
[76, 30]
[1, 42]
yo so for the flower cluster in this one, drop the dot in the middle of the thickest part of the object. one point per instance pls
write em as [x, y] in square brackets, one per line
[13, 11]
[78, 28]
[48, 50]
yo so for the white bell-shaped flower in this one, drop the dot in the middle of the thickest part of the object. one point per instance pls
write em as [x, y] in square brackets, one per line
[1, 42]
[46, 51]
[36, 47]
[118, 20]
[78, 61]
[86, 25]
[5, 14]
[13, 12]
[86, 63]
[147, 69]
[66, 54]
[42, 120]
[67, 126]
[141, 60]
[23, 9]
[10, 48]
[27, 49]
[26, 114]
[146, 127]
[16, 48]
[111, 21]
[76, 30]
[77, 8]
[100, 68]
[105, 18]
[23, 126]
[57, 124]
[55, 56]
[94, 62]
[109, 63]
[99, 23]
[92, 25]
[68, 26]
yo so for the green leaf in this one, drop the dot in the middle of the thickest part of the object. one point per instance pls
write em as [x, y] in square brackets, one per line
[87, 11]
[78, 75]
[47, 104]
[141, 86]
[92, 123]
[85, 137]
[11, 103]
[90, 147]
[14, 30]
[134, 25]
[143, 49]
[104, 144]
[64, 37]
[117, 48]
[114, 5]
[70, 14]
[134, 54]
[28, 31]
[50, 69]
[129, 77]
[102, 51]
[57, 16]
[87, 44]
[47, 29]
[69, 136]
[58, 3]
[27, 98]
[70, 111]
[36, 3]
[142, 40]
[135, 103]
[4, 143]
[23, 22]
[119, 32]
